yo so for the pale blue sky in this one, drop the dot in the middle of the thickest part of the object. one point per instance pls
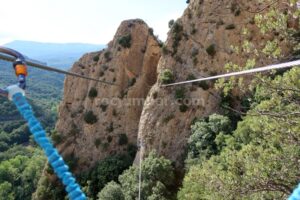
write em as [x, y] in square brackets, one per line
[84, 21]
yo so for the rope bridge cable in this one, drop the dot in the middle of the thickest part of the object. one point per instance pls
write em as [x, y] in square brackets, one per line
[250, 71]
[55, 160]
[53, 69]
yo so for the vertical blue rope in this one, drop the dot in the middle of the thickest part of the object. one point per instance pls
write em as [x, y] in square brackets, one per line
[296, 194]
[55, 160]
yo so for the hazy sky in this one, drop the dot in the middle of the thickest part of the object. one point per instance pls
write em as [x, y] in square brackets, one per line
[84, 21]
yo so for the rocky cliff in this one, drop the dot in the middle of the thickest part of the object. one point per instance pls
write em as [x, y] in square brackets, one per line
[97, 120]
[199, 44]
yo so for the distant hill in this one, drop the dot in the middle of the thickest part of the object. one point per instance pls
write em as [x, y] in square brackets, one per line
[54, 54]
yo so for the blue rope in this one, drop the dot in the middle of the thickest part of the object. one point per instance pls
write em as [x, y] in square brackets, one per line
[296, 194]
[55, 160]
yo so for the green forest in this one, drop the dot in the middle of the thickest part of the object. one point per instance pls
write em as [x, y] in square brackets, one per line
[21, 161]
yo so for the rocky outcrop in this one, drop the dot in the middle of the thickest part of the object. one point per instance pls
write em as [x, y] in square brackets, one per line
[97, 120]
[199, 44]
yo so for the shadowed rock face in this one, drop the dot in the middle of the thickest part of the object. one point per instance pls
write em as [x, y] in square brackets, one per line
[93, 117]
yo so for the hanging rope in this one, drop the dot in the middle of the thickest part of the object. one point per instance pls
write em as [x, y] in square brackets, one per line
[140, 168]
[55, 160]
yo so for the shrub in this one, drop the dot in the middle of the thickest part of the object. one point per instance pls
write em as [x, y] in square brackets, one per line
[105, 146]
[213, 73]
[123, 94]
[96, 58]
[56, 137]
[123, 139]
[110, 128]
[165, 50]
[97, 142]
[158, 180]
[155, 94]
[151, 32]
[103, 107]
[166, 76]
[74, 130]
[131, 150]
[191, 77]
[164, 144]
[211, 50]
[235, 9]
[71, 161]
[125, 41]
[171, 23]
[204, 85]
[177, 30]
[101, 73]
[114, 112]
[183, 108]
[109, 139]
[93, 92]
[111, 191]
[105, 171]
[180, 93]
[107, 56]
[230, 27]
[160, 43]
[90, 118]
[202, 142]
[168, 118]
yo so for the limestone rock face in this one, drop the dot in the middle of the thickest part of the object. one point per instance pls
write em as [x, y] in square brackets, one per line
[199, 44]
[97, 120]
